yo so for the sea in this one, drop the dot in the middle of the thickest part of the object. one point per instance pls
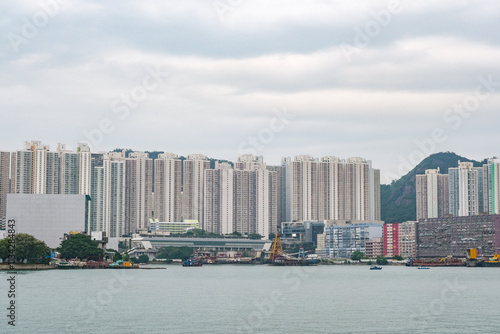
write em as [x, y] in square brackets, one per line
[254, 299]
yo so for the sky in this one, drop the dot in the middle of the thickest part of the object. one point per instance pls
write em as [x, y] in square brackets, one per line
[389, 81]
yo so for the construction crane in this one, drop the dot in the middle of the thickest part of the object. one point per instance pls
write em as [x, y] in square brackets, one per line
[276, 248]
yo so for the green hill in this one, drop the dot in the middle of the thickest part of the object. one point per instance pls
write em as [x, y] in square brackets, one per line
[398, 199]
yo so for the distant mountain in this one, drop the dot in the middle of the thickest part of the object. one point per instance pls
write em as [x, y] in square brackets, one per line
[399, 200]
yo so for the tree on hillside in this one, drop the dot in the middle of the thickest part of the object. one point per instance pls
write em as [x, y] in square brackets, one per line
[27, 247]
[80, 246]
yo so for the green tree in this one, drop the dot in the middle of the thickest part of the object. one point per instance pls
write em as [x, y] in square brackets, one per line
[182, 253]
[126, 257]
[254, 236]
[357, 255]
[27, 247]
[117, 255]
[80, 246]
[143, 259]
[381, 260]
[398, 257]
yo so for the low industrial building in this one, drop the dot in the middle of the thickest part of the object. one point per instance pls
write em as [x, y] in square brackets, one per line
[172, 227]
[374, 248]
[400, 239]
[340, 241]
[441, 237]
[200, 244]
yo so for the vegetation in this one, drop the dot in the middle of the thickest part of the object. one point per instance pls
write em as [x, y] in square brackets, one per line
[399, 200]
[27, 248]
[357, 255]
[117, 255]
[171, 253]
[254, 236]
[143, 259]
[381, 260]
[397, 257]
[80, 246]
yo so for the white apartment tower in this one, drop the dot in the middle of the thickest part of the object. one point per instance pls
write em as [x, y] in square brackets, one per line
[466, 191]
[168, 188]
[218, 199]
[138, 192]
[4, 184]
[68, 171]
[29, 168]
[331, 189]
[193, 184]
[84, 168]
[432, 194]
[491, 188]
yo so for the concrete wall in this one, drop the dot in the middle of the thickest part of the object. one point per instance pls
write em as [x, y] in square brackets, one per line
[47, 217]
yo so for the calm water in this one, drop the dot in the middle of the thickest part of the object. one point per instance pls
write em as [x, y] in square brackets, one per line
[256, 299]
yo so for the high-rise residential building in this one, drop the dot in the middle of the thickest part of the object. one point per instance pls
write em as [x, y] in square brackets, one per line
[68, 171]
[52, 175]
[192, 186]
[39, 167]
[4, 184]
[84, 168]
[168, 188]
[466, 189]
[491, 186]
[29, 169]
[218, 199]
[107, 193]
[278, 192]
[115, 164]
[330, 199]
[331, 189]
[432, 194]
[304, 188]
[243, 199]
[98, 194]
[255, 196]
[138, 191]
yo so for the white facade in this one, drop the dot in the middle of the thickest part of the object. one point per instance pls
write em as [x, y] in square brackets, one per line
[168, 179]
[47, 217]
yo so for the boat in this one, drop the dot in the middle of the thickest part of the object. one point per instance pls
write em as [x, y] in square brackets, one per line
[422, 267]
[191, 263]
[68, 265]
[375, 268]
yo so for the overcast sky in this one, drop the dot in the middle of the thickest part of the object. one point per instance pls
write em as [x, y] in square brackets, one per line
[277, 78]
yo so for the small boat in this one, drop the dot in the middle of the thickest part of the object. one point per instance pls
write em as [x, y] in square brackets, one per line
[191, 263]
[422, 267]
[375, 268]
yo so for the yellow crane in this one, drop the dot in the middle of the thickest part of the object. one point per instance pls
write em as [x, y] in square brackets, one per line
[276, 248]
